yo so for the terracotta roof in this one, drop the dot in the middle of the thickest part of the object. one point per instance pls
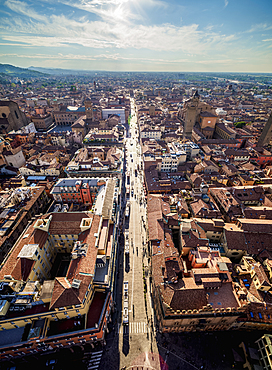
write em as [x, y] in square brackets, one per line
[185, 299]
[22, 269]
[258, 212]
[81, 268]
[63, 294]
[203, 209]
[154, 211]
[207, 114]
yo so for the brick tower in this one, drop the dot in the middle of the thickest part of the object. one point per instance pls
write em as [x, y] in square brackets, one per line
[89, 110]
[191, 106]
[266, 133]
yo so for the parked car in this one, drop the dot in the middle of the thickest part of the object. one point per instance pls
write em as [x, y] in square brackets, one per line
[125, 286]
[125, 316]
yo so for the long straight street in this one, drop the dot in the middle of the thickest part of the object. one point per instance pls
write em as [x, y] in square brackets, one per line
[136, 339]
[132, 340]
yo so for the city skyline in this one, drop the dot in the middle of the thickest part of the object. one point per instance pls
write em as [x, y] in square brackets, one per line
[142, 35]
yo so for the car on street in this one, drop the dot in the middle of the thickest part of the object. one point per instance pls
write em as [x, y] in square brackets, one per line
[125, 316]
[127, 247]
[125, 286]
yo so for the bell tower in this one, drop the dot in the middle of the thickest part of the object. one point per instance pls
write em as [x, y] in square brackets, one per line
[89, 110]
[266, 133]
[191, 106]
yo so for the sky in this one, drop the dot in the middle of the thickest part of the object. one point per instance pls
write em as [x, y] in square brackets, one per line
[138, 35]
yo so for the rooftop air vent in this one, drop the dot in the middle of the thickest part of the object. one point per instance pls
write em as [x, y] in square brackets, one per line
[76, 283]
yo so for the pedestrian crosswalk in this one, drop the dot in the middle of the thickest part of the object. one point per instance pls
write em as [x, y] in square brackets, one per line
[94, 361]
[134, 328]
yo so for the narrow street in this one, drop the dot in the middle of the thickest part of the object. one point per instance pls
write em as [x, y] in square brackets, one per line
[132, 340]
[136, 342]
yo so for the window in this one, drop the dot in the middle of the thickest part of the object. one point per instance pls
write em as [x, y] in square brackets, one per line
[251, 314]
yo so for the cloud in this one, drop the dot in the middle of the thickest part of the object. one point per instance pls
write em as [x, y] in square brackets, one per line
[47, 56]
[21, 7]
[226, 3]
[209, 27]
[112, 10]
[220, 61]
[113, 29]
[60, 56]
[102, 3]
[259, 27]
[64, 32]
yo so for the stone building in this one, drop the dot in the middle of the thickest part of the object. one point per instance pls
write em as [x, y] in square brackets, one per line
[11, 117]
[200, 113]
[266, 133]
[42, 121]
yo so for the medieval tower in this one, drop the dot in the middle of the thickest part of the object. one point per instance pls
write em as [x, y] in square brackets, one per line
[89, 110]
[266, 133]
[191, 106]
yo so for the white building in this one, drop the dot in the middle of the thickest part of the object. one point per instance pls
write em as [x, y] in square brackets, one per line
[191, 149]
[220, 112]
[151, 134]
[107, 112]
[15, 157]
[171, 161]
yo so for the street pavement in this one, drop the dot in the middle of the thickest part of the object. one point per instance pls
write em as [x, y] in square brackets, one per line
[136, 340]
[134, 344]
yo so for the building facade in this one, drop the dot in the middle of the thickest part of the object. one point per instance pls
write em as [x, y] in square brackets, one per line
[56, 285]
[11, 117]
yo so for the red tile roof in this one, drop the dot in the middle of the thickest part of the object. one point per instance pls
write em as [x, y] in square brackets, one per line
[22, 269]
[81, 268]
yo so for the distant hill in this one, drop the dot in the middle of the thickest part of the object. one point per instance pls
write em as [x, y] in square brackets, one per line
[60, 71]
[8, 70]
